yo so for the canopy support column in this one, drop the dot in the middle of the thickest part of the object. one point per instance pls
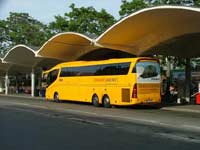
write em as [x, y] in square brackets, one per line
[6, 83]
[168, 68]
[187, 79]
[168, 73]
[32, 83]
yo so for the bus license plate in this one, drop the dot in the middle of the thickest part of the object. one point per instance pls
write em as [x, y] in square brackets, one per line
[149, 100]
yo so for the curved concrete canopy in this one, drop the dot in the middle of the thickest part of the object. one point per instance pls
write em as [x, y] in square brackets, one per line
[21, 55]
[103, 53]
[47, 63]
[66, 46]
[186, 46]
[147, 28]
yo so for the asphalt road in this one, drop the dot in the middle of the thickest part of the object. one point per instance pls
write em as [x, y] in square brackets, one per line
[25, 127]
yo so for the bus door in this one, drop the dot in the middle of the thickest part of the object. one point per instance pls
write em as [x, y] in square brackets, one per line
[43, 84]
[51, 78]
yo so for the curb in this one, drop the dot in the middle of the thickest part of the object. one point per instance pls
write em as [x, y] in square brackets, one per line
[181, 110]
[21, 96]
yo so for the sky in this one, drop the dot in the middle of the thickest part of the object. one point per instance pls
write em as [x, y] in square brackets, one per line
[45, 10]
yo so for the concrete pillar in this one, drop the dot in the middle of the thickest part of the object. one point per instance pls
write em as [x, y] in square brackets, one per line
[187, 79]
[1, 84]
[168, 68]
[6, 84]
[32, 83]
[168, 73]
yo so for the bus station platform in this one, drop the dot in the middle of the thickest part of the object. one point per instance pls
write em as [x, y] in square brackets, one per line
[191, 108]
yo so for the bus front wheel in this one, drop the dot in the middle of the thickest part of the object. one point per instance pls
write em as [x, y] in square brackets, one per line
[95, 100]
[106, 101]
[56, 97]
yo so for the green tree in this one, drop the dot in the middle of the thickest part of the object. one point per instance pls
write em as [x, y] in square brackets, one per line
[4, 39]
[59, 25]
[197, 3]
[128, 7]
[20, 28]
[177, 2]
[84, 20]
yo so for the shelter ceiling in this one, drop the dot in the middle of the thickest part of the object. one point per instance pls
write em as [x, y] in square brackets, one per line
[150, 27]
[67, 46]
[21, 55]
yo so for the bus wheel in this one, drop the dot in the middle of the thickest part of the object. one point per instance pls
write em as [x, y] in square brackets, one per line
[56, 97]
[106, 101]
[95, 100]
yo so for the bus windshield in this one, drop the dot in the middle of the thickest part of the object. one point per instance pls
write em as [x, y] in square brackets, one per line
[148, 72]
[51, 77]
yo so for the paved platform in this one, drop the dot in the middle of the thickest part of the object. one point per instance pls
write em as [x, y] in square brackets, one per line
[171, 107]
[23, 96]
[183, 108]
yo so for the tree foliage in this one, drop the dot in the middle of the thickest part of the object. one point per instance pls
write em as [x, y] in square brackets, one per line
[128, 7]
[84, 20]
[20, 28]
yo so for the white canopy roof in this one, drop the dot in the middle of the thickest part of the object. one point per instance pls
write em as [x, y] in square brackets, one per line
[21, 55]
[143, 30]
[67, 46]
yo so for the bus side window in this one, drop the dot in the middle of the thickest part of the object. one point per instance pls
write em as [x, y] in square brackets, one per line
[49, 79]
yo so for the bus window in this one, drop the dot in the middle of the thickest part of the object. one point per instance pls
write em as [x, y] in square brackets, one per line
[148, 72]
[115, 69]
[52, 76]
[96, 70]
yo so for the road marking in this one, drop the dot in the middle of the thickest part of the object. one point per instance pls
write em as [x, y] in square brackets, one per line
[179, 137]
[77, 111]
[125, 118]
[191, 126]
[88, 113]
[23, 104]
[181, 110]
[87, 121]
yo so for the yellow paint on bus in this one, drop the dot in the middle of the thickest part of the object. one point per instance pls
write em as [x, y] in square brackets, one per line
[125, 81]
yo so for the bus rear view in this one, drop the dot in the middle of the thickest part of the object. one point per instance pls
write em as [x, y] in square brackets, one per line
[146, 90]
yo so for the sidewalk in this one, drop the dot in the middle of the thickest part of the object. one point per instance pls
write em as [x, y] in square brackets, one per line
[183, 108]
[172, 107]
[28, 96]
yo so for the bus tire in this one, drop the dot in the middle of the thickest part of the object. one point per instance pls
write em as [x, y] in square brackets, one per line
[56, 97]
[95, 100]
[106, 101]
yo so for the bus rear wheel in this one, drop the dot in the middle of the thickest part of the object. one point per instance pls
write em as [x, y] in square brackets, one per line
[56, 98]
[106, 101]
[95, 100]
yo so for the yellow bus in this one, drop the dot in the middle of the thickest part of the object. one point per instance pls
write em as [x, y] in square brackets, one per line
[125, 81]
